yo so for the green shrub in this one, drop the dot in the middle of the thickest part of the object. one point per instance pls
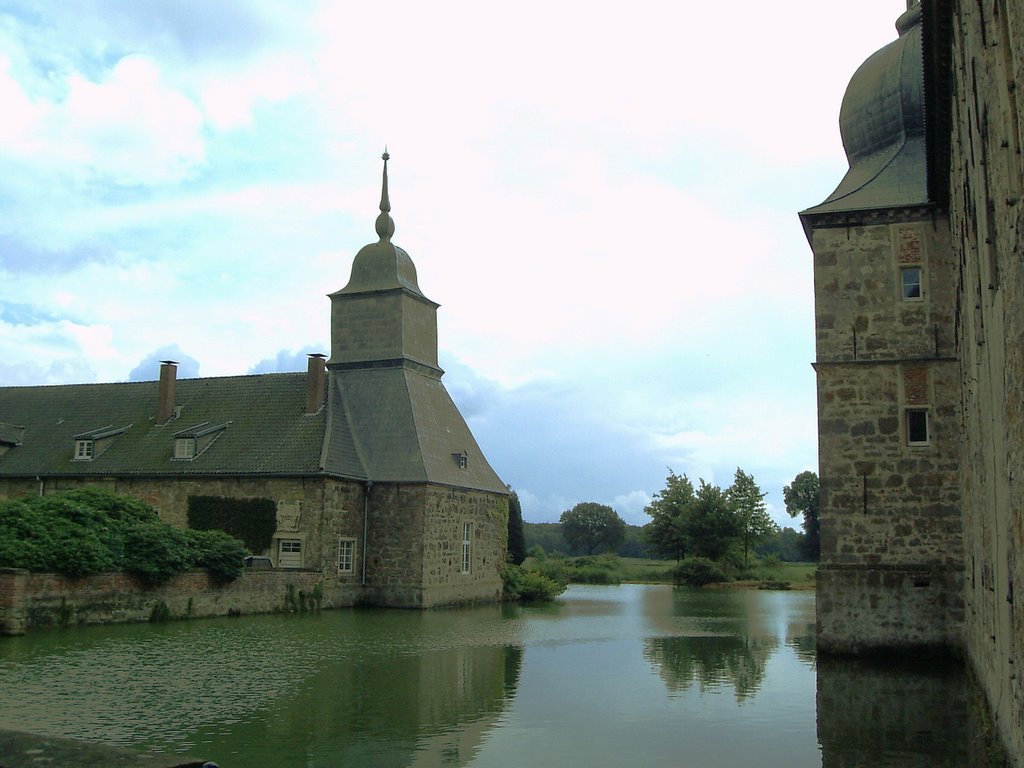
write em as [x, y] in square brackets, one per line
[553, 567]
[529, 586]
[697, 571]
[222, 555]
[537, 552]
[156, 551]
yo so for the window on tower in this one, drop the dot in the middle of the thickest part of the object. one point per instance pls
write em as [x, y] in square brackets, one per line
[910, 280]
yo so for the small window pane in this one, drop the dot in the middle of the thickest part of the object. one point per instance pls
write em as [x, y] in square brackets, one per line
[917, 426]
[911, 280]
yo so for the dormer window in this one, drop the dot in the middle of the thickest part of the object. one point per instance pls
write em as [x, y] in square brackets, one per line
[184, 447]
[89, 445]
[191, 442]
[11, 436]
[462, 459]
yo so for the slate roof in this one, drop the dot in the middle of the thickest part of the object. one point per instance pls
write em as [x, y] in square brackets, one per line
[267, 430]
[384, 425]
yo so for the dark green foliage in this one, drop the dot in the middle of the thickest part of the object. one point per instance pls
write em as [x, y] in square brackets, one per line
[668, 510]
[747, 501]
[545, 535]
[698, 571]
[711, 528]
[156, 551]
[802, 498]
[91, 530]
[590, 527]
[516, 536]
[159, 613]
[251, 520]
[222, 555]
[529, 586]
[786, 544]
[602, 569]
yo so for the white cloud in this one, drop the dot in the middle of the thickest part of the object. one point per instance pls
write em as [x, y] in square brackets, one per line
[602, 198]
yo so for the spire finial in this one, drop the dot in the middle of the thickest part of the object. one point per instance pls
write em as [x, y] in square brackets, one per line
[385, 225]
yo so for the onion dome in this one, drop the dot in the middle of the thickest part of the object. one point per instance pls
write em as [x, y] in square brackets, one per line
[382, 265]
[882, 123]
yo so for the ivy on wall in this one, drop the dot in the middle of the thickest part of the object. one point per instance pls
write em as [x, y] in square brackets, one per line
[254, 521]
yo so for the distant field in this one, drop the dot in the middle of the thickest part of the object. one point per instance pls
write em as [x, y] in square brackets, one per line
[642, 570]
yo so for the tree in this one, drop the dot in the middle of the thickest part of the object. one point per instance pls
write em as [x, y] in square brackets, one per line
[668, 510]
[590, 528]
[516, 537]
[711, 527]
[747, 500]
[802, 498]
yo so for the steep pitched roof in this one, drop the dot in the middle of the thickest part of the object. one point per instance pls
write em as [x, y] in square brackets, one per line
[406, 428]
[267, 431]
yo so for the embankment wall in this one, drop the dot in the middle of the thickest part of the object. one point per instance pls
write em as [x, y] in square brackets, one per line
[33, 600]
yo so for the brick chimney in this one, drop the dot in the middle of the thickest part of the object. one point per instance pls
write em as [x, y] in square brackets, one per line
[315, 383]
[165, 393]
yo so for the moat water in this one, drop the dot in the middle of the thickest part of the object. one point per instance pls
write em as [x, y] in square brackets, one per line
[609, 676]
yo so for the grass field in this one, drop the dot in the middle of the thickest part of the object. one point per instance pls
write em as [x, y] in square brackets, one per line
[609, 569]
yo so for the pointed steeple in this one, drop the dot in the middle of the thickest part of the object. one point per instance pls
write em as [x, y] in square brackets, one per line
[382, 318]
[385, 225]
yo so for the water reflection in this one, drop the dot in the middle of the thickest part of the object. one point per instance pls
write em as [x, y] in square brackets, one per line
[914, 714]
[711, 662]
[609, 676]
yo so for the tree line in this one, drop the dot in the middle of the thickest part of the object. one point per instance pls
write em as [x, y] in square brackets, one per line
[703, 521]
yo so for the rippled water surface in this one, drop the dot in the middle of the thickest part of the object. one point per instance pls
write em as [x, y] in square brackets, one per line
[608, 676]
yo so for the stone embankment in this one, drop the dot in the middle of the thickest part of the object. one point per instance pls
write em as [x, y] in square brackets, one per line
[33, 600]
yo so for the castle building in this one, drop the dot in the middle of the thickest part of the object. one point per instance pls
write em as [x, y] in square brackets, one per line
[919, 324]
[373, 475]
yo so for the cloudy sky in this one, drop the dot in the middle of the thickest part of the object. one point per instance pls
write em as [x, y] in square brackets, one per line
[601, 196]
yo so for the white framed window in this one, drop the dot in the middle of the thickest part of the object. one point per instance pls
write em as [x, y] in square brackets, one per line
[346, 555]
[184, 447]
[917, 426]
[83, 450]
[910, 283]
[289, 553]
[467, 547]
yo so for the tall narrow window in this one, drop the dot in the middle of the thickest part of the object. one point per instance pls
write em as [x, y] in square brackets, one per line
[467, 546]
[917, 426]
[346, 555]
[910, 278]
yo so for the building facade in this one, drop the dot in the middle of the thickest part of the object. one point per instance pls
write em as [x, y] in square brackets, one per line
[920, 352]
[373, 477]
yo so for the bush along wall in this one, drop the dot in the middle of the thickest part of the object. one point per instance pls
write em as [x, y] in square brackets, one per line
[92, 530]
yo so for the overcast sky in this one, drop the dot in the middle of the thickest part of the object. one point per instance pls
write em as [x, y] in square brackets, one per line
[601, 196]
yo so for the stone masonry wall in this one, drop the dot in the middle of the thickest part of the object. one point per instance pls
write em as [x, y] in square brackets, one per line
[33, 600]
[987, 222]
[890, 516]
[447, 510]
[415, 545]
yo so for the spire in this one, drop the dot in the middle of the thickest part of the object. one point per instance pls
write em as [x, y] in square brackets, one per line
[385, 225]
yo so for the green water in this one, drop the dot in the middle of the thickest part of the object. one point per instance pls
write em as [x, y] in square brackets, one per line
[608, 676]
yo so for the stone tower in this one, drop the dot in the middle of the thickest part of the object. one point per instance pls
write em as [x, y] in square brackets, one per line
[436, 512]
[887, 373]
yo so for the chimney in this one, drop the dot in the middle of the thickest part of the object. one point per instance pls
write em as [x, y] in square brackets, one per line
[315, 383]
[165, 393]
